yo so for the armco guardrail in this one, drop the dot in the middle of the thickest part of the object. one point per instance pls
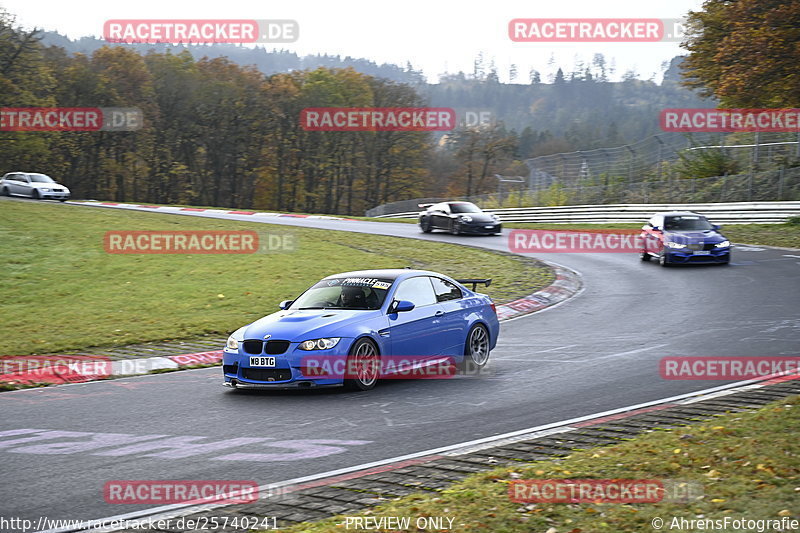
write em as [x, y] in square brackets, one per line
[721, 213]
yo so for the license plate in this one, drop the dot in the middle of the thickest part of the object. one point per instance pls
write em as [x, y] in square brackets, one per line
[702, 252]
[262, 361]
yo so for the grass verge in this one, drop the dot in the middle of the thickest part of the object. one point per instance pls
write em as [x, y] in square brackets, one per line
[748, 465]
[62, 291]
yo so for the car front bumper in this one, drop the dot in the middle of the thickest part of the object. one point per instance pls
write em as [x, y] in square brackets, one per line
[481, 229]
[54, 195]
[288, 372]
[723, 255]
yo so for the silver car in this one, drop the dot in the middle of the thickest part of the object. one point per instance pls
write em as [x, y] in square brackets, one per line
[33, 185]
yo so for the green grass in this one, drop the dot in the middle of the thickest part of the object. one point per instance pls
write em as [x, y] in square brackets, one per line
[62, 291]
[784, 235]
[748, 465]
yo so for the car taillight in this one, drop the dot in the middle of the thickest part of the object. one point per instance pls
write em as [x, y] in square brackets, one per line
[494, 307]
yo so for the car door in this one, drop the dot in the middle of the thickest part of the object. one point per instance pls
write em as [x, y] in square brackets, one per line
[13, 184]
[418, 332]
[441, 216]
[24, 184]
[653, 238]
[454, 322]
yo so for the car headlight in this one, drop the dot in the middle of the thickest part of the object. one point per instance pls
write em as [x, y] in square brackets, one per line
[45, 189]
[723, 244]
[675, 245]
[466, 218]
[319, 344]
[234, 340]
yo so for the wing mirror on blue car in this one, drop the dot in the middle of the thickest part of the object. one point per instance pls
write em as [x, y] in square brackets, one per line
[401, 306]
[285, 304]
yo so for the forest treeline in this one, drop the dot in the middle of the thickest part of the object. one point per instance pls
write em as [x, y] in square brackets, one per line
[221, 133]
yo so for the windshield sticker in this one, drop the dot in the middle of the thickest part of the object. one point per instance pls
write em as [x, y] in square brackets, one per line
[381, 285]
[360, 282]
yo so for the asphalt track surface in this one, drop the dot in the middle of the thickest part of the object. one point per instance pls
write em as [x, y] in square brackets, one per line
[596, 352]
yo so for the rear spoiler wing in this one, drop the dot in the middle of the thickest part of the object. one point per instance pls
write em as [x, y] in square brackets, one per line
[424, 206]
[475, 282]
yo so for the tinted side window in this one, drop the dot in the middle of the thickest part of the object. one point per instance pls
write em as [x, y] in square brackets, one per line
[445, 290]
[418, 291]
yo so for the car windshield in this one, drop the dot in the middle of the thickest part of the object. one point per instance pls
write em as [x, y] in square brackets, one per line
[40, 178]
[687, 223]
[464, 208]
[345, 293]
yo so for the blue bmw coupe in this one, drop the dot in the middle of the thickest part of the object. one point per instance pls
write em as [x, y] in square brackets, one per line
[355, 328]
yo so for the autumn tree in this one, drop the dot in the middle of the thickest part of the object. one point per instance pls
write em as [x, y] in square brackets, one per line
[745, 52]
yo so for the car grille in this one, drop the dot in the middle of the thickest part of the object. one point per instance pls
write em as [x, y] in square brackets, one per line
[253, 347]
[230, 369]
[276, 347]
[700, 246]
[256, 347]
[267, 374]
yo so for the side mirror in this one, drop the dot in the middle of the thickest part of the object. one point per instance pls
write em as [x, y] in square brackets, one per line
[656, 228]
[285, 304]
[716, 226]
[401, 306]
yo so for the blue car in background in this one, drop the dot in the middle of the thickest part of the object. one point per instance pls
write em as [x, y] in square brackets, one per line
[683, 237]
[367, 324]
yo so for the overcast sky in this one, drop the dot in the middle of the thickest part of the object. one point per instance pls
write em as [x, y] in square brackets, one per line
[435, 36]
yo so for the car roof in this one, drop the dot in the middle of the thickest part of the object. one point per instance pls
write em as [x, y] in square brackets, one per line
[387, 273]
[681, 214]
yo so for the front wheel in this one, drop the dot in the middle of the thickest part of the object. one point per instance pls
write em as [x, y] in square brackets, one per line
[425, 225]
[476, 350]
[662, 259]
[645, 256]
[363, 366]
[455, 227]
[35, 195]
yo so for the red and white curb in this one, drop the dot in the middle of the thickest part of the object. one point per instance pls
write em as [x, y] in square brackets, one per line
[394, 463]
[173, 209]
[567, 284]
[85, 368]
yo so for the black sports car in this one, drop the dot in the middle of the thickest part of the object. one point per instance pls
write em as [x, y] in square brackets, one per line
[458, 217]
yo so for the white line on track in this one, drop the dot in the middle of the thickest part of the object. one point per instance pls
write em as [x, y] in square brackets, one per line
[177, 510]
